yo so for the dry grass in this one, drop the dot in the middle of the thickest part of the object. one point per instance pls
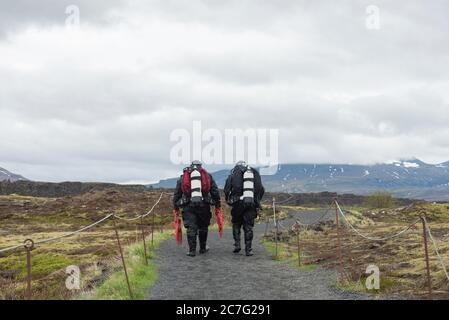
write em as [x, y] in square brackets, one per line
[94, 251]
[401, 260]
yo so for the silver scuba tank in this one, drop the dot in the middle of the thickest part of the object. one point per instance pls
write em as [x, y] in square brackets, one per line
[196, 196]
[248, 187]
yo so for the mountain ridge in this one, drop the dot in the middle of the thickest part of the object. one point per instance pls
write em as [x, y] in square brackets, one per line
[407, 178]
[7, 175]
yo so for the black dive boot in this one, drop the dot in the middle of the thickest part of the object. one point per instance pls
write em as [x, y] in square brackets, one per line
[202, 235]
[248, 240]
[248, 249]
[236, 234]
[192, 245]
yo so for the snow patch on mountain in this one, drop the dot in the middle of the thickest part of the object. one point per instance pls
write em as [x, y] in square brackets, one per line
[410, 164]
[6, 175]
[405, 164]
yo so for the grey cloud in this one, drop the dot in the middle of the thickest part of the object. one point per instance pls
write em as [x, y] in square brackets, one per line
[17, 15]
[100, 103]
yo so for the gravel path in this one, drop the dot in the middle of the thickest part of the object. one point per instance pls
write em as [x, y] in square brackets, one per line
[220, 274]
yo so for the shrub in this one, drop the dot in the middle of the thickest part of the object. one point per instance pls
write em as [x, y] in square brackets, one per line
[380, 199]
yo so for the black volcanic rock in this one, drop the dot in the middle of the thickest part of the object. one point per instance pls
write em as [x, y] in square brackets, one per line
[50, 189]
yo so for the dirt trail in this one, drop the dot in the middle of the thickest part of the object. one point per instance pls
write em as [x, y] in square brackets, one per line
[220, 274]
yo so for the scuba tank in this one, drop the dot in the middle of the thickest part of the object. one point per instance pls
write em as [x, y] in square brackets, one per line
[248, 187]
[196, 196]
[195, 186]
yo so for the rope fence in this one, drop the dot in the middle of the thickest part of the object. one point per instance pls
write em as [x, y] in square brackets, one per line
[371, 238]
[320, 219]
[109, 216]
[142, 215]
[269, 201]
[30, 244]
[339, 212]
[435, 247]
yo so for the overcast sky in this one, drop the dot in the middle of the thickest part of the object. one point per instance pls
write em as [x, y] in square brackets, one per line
[98, 102]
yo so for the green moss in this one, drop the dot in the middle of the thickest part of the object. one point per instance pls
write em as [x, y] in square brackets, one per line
[141, 276]
[16, 197]
[434, 211]
[308, 267]
[106, 252]
[386, 284]
[352, 286]
[41, 264]
[286, 255]
[56, 219]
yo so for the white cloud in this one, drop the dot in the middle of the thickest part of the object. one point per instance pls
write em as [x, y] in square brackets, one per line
[99, 103]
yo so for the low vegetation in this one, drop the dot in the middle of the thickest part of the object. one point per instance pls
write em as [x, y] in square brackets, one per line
[94, 251]
[401, 260]
[141, 275]
[288, 253]
[380, 199]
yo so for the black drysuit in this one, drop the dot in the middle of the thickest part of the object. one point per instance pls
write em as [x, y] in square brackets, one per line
[242, 215]
[197, 218]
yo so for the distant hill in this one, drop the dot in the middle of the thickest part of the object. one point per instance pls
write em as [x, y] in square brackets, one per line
[406, 178]
[62, 189]
[6, 175]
